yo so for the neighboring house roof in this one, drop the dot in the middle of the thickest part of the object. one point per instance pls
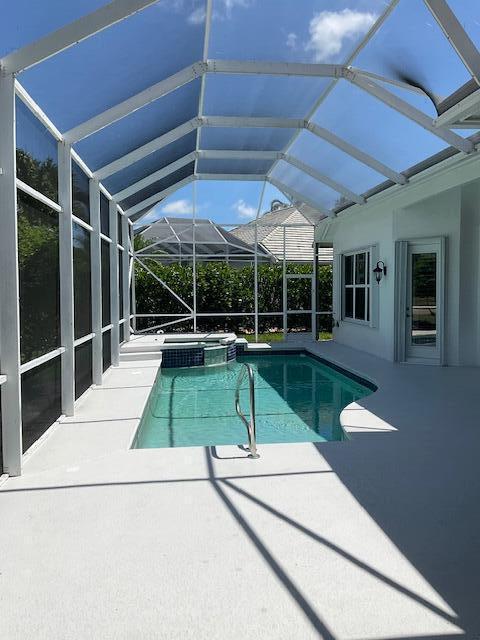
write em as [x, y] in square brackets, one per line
[270, 235]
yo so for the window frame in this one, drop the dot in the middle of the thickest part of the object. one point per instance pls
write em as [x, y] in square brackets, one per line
[366, 286]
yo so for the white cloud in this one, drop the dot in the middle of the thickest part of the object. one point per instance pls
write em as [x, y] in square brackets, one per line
[224, 8]
[182, 207]
[244, 210]
[197, 16]
[330, 29]
[292, 41]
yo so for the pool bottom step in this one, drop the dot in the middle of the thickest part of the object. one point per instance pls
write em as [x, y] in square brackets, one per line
[229, 430]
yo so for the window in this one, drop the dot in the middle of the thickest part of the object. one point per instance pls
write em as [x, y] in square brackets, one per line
[356, 286]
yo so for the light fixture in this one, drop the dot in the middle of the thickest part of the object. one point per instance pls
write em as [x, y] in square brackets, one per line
[380, 271]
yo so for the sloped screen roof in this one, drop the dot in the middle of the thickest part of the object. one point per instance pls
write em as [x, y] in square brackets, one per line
[325, 100]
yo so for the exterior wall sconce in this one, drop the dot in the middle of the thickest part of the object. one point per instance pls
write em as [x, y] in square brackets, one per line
[380, 271]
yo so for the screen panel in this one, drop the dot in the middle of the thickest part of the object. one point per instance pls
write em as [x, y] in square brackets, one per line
[151, 163]
[41, 400]
[322, 31]
[141, 126]
[245, 138]
[106, 313]
[262, 95]
[39, 278]
[87, 77]
[83, 368]
[82, 281]
[385, 134]
[37, 153]
[80, 193]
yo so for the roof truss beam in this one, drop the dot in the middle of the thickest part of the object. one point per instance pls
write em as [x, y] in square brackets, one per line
[356, 153]
[406, 109]
[315, 70]
[456, 35]
[137, 101]
[71, 34]
[320, 177]
[156, 198]
[236, 155]
[154, 177]
[281, 186]
[146, 149]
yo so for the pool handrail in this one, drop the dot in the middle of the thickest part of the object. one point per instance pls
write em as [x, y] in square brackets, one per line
[250, 424]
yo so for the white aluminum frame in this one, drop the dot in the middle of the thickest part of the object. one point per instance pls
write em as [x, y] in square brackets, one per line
[9, 285]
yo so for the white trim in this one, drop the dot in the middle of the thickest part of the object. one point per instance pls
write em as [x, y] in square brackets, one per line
[114, 282]
[256, 67]
[246, 121]
[36, 362]
[223, 154]
[29, 102]
[71, 34]
[66, 278]
[126, 279]
[107, 327]
[105, 238]
[82, 223]
[84, 167]
[245, 177]
[9, 284]
[96, 283]
[366, 286]
[80, 341]
[38, 196]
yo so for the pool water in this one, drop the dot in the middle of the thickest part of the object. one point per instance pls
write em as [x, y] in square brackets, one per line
[297, 399]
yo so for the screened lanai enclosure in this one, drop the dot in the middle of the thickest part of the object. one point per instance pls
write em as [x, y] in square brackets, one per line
[108, 109]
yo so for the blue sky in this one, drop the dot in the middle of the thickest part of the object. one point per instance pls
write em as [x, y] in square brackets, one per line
[136, 53]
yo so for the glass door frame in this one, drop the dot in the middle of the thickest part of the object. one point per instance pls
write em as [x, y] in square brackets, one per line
[404, 351]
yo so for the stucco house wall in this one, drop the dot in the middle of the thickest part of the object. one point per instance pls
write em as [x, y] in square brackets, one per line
[443, 203]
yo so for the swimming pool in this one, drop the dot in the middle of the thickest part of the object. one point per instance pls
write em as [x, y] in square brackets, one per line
[297, 398]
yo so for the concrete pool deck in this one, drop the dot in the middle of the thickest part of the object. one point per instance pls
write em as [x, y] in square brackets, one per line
[378, 537]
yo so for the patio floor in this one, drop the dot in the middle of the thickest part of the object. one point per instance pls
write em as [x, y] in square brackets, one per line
[377, 537]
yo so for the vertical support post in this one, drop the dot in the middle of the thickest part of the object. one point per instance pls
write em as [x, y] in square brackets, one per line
[96, 279]
[255, 280]
[9, 286]
[132, 283]
[284, 280]
[315, 290]
[126, 278]
[114, 293]
[255, 264]
[66, 277]
[194, 255]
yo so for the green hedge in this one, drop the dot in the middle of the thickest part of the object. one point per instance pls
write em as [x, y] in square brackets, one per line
[223, 288]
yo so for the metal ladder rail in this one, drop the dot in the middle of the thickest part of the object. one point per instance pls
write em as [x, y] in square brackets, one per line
[250, 425]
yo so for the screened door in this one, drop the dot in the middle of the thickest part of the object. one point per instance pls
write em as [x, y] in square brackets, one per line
[424, 306]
